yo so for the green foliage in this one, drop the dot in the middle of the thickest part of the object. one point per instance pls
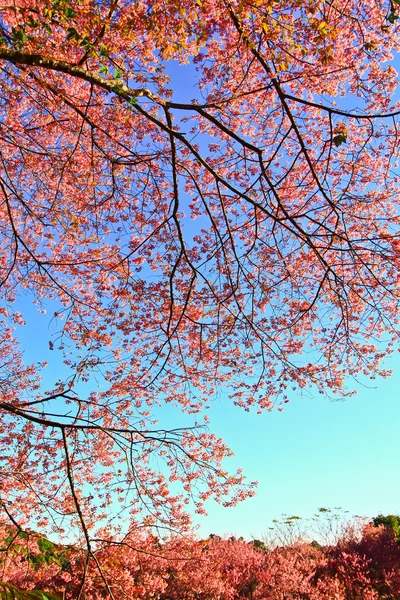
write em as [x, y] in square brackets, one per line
[392, 17]
[19, 37]
[72, 34]
[70, 13]
[260, 545]
[47, 553]
[391, 521]
[86, 43]
[370, 46]
[11, 592]
[31, 22]
[339, 139]
[61, 10]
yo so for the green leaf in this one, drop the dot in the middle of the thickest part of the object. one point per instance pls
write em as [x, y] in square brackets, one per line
[32, 22]
[103, 50]
[70, 13]
[339, 139]
[45, 545]
[392, 17]
[118, 74]
[19, 34]
[11, 592]
[86, 43]
[73, 34]
[103, 69]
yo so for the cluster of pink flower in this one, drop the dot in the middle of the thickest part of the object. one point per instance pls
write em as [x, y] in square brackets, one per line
[366, 568]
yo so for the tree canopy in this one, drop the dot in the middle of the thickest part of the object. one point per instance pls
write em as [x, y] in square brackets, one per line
[357, 567]
[246, 240]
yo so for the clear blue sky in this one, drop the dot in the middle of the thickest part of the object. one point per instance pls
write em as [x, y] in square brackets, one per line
[315, 454]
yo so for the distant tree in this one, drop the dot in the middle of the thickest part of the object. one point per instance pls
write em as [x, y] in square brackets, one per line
[259, 545]
[370, 564]
[390, 521]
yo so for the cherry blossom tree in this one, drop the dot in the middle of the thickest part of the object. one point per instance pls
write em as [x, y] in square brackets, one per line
[246, 240]
[185, 568]
[376, 557]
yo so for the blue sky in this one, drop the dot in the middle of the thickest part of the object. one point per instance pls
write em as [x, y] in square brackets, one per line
[316, 453]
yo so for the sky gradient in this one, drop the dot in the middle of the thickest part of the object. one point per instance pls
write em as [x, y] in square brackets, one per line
[315, 453]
